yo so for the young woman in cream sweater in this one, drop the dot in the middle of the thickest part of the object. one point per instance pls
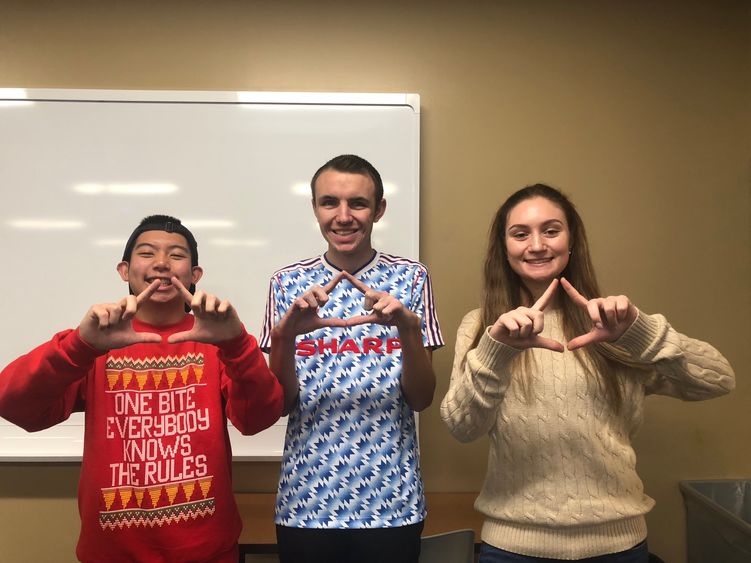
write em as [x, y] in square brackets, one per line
[556, 376]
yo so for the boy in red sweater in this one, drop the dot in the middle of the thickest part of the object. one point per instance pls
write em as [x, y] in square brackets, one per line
[157, 385]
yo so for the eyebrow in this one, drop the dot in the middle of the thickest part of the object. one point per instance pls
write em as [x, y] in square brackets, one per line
[355, 199]
[154, 247]
[544, 224]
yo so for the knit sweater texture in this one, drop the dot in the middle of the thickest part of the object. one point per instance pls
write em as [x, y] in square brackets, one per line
[561, 480]
[156, 473]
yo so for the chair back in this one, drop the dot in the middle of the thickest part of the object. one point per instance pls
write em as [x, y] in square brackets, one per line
[457, 546]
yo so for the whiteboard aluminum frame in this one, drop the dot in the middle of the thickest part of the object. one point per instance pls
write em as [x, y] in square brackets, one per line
[197, 96]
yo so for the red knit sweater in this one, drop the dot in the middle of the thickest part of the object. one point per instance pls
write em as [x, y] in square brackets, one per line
[156, 474]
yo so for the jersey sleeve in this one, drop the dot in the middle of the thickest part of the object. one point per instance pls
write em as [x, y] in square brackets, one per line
[271, 313]
[423, 305]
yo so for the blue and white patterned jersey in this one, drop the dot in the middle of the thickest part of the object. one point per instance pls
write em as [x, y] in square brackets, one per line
[351, 457]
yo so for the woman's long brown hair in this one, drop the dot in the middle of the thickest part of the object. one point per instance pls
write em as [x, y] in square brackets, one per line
[503, 291]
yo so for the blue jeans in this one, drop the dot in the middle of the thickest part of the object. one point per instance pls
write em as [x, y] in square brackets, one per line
[637, 554]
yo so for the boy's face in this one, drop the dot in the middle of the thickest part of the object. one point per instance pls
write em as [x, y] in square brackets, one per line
[345, 208]
[160, 255]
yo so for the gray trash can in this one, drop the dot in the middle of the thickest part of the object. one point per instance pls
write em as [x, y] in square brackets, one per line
[718, 521]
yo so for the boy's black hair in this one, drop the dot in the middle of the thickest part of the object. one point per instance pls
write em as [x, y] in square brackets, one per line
[165, 223]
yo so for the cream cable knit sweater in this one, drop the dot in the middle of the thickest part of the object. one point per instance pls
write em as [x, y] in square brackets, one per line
[561, 479]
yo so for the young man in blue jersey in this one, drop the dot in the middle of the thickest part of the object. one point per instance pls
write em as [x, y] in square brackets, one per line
[350, 335]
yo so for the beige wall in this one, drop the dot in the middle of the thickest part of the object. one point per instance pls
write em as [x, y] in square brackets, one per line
[639, 110]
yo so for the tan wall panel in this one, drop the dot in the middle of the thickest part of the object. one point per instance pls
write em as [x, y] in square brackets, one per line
[640, 112]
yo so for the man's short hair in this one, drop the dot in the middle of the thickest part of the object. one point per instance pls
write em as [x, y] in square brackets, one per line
[351, 164]
[165, 223]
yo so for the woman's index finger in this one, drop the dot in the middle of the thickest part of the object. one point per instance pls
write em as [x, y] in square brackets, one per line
[546, 297]
[573, 293]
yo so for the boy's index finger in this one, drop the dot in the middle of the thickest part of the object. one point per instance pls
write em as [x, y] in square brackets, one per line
[148, 292]
[364, 289]
[573, 293]
[329, 287]
[546, 297]
[187, 295]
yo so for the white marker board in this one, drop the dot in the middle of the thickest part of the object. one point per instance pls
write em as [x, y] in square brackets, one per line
[80, 168]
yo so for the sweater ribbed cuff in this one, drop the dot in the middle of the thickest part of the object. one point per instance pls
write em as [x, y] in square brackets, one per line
[492, 354]
[565, 542]
[236, 346]
[640, 335]
[80, 352]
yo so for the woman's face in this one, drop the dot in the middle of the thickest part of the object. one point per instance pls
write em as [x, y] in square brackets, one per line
[537, 241]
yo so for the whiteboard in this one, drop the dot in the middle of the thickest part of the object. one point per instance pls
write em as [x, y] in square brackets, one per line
[80, 168]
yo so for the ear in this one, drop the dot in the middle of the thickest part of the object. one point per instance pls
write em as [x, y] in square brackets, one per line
[196, 274]
[123, 269]
[380, 210]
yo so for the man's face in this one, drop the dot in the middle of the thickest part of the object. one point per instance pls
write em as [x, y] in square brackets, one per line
[159, 255]
[345, 208]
